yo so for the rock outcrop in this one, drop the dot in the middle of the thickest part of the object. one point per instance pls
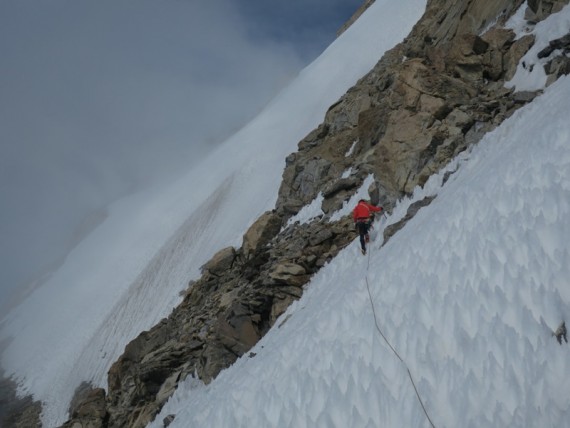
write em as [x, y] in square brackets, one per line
[88, 408]
[426, 100]
[239, 297]
[429, 98]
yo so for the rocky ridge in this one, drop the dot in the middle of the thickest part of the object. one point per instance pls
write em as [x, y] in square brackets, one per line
[239, 297]
[425, 101]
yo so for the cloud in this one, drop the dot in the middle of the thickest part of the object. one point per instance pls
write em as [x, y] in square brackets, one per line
[101, 98]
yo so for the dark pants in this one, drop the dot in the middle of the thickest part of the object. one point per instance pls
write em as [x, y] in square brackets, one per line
[362, 227]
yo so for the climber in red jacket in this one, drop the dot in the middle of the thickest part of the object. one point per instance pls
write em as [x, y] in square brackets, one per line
[362, 215]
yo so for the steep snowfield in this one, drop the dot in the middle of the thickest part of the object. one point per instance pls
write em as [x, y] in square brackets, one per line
[467, 294]
[126, 275]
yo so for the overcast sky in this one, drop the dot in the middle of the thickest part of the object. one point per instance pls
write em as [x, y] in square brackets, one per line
[101, 97]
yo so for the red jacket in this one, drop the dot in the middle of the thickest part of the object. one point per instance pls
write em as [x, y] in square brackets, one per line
[362, 211]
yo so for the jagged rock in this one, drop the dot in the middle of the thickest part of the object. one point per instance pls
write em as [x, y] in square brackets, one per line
[499, 38]
[220, 262]
[308, 178]
[290, 206]
[348, 183]
[320, 237]
[480, 14]
[168, 387]
[344, 114]
[261, 232]
[302, 184]
[560, 64]
[562, 43]
[313, 137]
[515, 53]
[288, 273]
[221, 318]
[280, 307]
[88, 408]
[214, 359]
[403, 130]
[238, 333]
[494, 62]
[465, 56]
[414, 130]
[524, 96]
[168, 420]
[457, 118]
[444, 20]
[226, 299]
[334, 161]
[287, 269]
[391, 230]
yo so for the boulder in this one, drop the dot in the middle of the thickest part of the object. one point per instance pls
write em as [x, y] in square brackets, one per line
[287, 269]
[344, 114]
[288, 273]
[321, 236]
[459, 119]
[88, 408]
[515, 53]
[465, 57]
[313, 137]
[333, 188]
[280, 306]
[168, 420]
[220, 262]
[307, 181]
[261, 232]
[559, 66]
[499, 38]
[237, 334]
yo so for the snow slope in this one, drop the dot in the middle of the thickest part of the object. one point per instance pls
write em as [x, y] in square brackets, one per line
[530, 74]
[126, 275]
[466, 294]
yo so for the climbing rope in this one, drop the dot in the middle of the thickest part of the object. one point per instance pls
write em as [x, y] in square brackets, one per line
[390, 345]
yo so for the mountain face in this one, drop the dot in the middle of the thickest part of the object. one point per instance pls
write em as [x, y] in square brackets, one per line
[425, 101]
